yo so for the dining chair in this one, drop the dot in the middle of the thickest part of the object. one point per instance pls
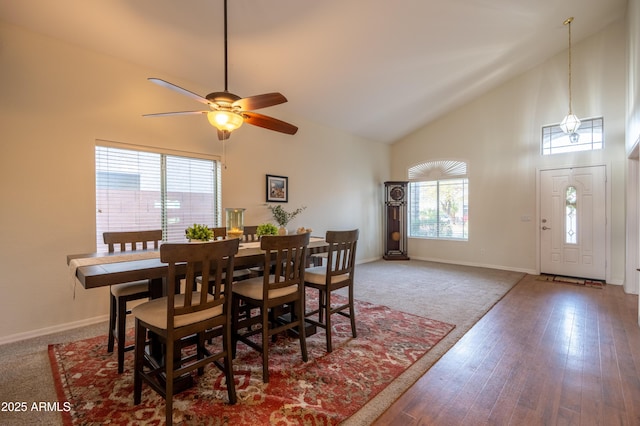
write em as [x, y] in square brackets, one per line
[285, 286]
[336, 274]
[250, 233]
[121, 294]
[175, 317]
[219, 233]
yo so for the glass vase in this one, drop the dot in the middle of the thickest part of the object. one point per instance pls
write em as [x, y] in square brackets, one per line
[235, 222]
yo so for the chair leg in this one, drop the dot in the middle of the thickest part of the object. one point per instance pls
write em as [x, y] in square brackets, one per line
[235, 313]
[112, 322]
[302, 334]
[200, 350]
[352, 313]
[168, 393]
[228, 364]
[327, 310]
[121, 335]
[139, 363]
[265, 346]
[320, 305]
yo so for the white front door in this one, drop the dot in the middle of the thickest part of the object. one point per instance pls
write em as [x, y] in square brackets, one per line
[573, 222]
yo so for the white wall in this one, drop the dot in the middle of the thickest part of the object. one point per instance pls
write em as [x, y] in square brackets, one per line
[498, 135]
[633, 77]
[632, 144]
[57, 99]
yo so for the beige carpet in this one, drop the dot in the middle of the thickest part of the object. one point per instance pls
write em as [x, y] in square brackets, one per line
[455, 294]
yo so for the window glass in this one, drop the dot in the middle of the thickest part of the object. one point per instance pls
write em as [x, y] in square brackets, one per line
[589, 137]
[571, 223]
[141, 190]
[439, 209]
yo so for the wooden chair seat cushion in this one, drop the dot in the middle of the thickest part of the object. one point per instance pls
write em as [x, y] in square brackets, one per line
[318, 275]
[127, 289]
[240, 273]
[252, 288]
[154, 312]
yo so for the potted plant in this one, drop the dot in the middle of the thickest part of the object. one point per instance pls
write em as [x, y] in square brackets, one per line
[266, 229]
[283, 217]
[198, 233]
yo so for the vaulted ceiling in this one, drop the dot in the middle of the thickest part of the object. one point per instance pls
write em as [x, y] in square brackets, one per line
[378, 69]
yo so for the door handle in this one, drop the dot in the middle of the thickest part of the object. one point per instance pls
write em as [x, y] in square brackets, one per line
[544, 228]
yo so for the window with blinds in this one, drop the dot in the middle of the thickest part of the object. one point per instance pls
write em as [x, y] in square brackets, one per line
[141, 190]
[438, 200]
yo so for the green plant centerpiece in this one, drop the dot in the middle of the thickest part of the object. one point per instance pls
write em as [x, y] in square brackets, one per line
[198, 233]
[266, 229]
[283, 217]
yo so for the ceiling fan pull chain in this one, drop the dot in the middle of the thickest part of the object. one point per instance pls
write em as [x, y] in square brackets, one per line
[224, 154]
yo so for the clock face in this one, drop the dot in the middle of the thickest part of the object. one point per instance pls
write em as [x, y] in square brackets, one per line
[397, 193]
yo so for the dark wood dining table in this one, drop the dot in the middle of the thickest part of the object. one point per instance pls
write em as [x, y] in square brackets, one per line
[95, 270]
[105, 273]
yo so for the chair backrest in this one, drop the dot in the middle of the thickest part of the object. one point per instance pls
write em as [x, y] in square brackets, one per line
[288, 254]
[192, 260]
[250, 233]
[134, 239]
[341, 256]
[219, 233]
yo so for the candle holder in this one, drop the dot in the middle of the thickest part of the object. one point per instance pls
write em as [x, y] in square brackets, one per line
[235, 222]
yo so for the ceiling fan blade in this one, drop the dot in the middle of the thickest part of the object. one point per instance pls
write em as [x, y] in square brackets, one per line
[269, 123]
[260, 101]
[164, 114]
[179, 89]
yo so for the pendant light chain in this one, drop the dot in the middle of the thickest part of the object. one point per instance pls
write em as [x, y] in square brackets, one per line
[568, 22]
[570, 124]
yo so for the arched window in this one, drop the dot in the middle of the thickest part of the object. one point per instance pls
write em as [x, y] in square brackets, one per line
[438, 200]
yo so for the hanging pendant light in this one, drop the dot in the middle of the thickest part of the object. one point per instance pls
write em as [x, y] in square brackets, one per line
[571, 122]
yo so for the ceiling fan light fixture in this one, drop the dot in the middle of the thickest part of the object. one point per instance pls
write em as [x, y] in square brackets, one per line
[229, 111]
[225, 120]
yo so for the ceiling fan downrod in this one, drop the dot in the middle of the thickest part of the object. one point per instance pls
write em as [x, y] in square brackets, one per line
[225, 48]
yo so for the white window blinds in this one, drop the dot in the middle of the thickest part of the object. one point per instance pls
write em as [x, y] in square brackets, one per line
[140, 190]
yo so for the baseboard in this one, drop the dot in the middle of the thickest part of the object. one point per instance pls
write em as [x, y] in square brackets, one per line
[51, 330]
[373, 259]
[478, 265]
[615, 281]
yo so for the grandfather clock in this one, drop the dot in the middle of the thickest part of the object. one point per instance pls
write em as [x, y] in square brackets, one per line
[395, 229]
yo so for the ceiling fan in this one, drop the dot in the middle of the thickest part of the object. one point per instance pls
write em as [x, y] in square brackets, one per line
[228, 111]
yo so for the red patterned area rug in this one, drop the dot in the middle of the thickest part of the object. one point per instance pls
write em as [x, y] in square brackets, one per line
[324, 391]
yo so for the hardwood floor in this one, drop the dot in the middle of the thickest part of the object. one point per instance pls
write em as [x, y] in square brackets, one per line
[546, 354]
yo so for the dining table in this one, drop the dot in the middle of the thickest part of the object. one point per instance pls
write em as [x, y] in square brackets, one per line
[102, 269]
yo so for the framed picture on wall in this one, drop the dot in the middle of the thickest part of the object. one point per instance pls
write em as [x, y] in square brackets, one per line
[277, 189]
